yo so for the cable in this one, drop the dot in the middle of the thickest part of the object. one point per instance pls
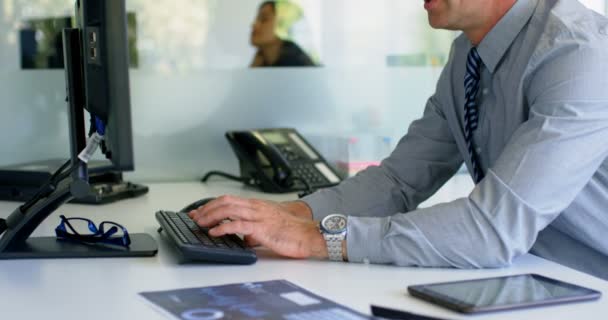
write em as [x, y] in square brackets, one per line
[225, 175]
[58, 171]
[251, 182]
[45, 189]
[66, 174]
[100, 126]
[307, 188]
[50, 185]
[3, 226]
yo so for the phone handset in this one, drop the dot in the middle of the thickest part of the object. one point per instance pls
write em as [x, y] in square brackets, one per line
[264, 160]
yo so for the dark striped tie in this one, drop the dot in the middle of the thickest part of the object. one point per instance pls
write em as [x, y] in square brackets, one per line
[471, 112]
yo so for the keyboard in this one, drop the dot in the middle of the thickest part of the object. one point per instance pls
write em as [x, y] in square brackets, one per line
[195, 244]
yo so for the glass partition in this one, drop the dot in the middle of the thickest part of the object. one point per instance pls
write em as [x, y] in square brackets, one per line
[376, 63]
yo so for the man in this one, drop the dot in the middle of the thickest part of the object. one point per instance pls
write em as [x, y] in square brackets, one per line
[523, 101]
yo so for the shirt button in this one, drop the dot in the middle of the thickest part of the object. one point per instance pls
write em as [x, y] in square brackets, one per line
[478, 150]
[485, 91]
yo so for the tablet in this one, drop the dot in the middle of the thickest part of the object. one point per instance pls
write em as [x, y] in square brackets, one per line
[502, 293]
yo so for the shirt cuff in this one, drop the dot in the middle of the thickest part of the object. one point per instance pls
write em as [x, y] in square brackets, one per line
[364, 239]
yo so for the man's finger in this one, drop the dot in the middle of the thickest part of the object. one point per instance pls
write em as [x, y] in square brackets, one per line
[219, 202]
[233, 227]
[251, 242]
[215, 216]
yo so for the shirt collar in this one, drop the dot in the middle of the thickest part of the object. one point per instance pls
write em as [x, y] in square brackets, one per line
[496, 43]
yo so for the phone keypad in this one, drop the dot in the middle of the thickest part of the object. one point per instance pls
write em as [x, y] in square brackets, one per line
[309, 173]
[290, 153]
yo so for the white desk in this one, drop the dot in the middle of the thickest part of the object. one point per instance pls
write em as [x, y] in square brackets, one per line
[107, 288]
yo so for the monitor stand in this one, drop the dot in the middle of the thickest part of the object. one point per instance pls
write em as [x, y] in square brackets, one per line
[16, 242]
[16, 230]
[109, 187]
[20, 182]
[142, 245]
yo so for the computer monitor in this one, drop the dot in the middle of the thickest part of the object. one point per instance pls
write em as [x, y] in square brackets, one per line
[103, 28]
[97, 78]
[103, 40]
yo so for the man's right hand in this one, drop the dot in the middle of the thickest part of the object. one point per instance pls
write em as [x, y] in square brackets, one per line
[266, 223]
[298, 208]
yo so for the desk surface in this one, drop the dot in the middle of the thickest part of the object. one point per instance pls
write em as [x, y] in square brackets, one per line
[107, 288]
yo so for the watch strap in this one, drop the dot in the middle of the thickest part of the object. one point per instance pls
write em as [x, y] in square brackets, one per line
[334, 246]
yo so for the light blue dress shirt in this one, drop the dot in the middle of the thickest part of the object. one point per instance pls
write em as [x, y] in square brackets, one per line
[542, 142]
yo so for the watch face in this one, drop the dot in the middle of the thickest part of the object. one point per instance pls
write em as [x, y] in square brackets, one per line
[335, 223]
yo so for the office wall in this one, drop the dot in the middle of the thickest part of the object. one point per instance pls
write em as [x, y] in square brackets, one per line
[193, 83]
[179, 119]
[600, 6]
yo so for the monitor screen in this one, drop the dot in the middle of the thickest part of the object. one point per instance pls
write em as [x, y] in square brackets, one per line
[105, 52]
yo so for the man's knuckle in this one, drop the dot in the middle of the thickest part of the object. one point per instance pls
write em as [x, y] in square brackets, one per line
[226, 198]
[249, 228]
[257, 204]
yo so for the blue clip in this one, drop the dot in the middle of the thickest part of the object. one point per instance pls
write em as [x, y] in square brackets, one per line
[101, 127]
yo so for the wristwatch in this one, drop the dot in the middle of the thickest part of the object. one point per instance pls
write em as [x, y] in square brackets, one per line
[333, 229]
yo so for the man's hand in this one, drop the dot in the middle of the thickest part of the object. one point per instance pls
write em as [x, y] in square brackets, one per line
[276, 226]
[298, 208]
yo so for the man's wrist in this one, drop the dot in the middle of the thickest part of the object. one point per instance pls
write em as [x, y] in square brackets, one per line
[298, 208]
[318, 246]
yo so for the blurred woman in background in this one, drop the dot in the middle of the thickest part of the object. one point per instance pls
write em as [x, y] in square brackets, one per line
[269, 35]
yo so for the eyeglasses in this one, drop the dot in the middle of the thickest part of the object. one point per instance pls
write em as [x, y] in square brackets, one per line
[85, 230]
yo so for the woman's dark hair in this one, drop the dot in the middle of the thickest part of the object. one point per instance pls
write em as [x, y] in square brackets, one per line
[273, 4]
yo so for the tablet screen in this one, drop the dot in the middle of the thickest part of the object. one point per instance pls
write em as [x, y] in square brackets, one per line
[502, 293]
